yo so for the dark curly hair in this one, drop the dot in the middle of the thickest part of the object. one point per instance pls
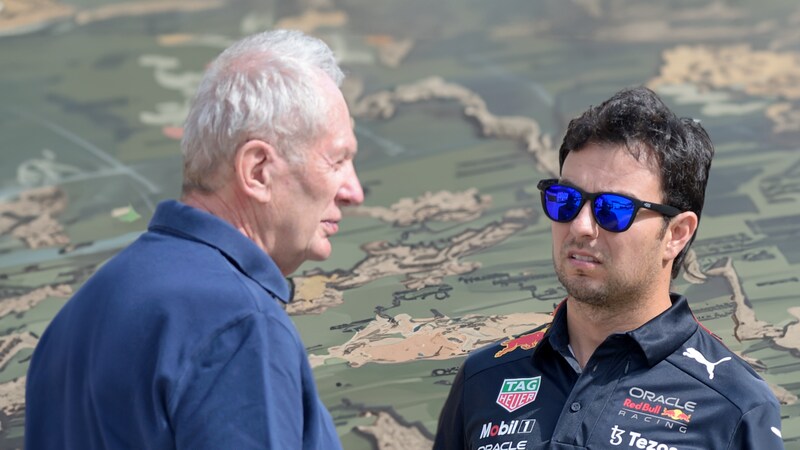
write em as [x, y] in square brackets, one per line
[638, 119]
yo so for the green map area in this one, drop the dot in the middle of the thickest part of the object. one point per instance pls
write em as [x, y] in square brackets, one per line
[460, 106]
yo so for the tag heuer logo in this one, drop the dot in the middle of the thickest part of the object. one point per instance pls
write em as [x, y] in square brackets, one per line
[518, 392]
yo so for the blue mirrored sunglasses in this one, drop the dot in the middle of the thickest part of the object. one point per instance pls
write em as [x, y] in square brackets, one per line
[613, 212]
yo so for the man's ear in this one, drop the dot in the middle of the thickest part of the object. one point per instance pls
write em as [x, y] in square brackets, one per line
[253, 165]
[680, 231]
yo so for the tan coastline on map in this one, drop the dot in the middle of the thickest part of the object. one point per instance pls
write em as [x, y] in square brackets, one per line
[789, 36]
[25, 16]
[666, 31]
[746, 324]
[11, 344]
[691, 268]
[739, 68]
[352, 87]
[791, 336]
[206, 40]
[25, 302]
[523, 129]
[784, 116]
[784, 396]
[427, 264]
[140, 8]
[442, 206]
[312, 19]
[391, 51]
[389, 433]
[31, 218]
[313, 295]
[403, 338]
[12, 397]
[659, 22]
[422, 264]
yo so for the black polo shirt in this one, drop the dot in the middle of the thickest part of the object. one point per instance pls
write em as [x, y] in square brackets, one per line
[669, 384]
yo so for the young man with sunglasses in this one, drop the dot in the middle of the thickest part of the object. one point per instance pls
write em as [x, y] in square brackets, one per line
[623, 364]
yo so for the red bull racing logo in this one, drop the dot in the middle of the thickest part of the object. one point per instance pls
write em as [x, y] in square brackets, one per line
[668, 411]
[525, 342]
[518, 392]
[677, 414]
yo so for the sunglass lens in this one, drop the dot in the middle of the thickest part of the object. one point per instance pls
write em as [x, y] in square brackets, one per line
[613, 212]
[562, 203]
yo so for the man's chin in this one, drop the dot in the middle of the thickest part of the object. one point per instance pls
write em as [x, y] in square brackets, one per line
[320, 251]
[583, 289]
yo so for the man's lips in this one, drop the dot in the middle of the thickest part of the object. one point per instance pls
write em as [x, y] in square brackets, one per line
[330, 226]
[583, 259]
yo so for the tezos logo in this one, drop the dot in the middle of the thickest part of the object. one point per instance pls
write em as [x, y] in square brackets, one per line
[618, 437]
[518, 392]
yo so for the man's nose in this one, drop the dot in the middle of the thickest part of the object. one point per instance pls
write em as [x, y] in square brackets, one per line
[584, 223]
[351, 193]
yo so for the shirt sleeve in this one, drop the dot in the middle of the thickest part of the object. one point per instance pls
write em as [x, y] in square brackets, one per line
[760, 428]
[450, 432]
[243, 390]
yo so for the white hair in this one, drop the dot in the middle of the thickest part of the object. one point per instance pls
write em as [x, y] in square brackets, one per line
[265, 86]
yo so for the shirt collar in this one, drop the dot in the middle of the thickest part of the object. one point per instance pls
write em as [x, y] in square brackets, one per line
[665, 333]
[658, 338]
[179, 219]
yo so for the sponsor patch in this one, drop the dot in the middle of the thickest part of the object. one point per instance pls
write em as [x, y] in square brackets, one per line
[525, 342]
[517, 426]
[652, 397]
[635, 439]
[656, 410]
[518, 392]
[672, 413]
[508, 445]
[695, 354]
[677, 414]
[654, 419]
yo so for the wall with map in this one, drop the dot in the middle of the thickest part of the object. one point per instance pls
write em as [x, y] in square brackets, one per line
[460, 106]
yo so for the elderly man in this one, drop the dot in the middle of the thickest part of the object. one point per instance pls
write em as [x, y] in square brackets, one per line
[623, 364]
[181, 340]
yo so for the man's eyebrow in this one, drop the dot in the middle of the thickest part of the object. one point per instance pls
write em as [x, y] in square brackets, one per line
[566, 182]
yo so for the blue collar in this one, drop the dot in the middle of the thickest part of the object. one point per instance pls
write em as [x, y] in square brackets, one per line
[657, 339]
[178, 219]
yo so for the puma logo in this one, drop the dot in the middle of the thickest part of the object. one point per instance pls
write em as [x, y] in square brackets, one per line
[691, 352]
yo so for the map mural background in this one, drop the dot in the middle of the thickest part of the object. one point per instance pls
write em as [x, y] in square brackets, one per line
[460, 106]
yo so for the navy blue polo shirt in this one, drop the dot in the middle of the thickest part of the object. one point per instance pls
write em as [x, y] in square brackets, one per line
[179, 341]
[668, 385]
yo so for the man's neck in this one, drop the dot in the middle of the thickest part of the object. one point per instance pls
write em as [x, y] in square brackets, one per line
[228, 207]
[588, 325]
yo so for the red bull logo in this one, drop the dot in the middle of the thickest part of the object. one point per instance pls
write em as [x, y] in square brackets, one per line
[525, 342]
[677, 414]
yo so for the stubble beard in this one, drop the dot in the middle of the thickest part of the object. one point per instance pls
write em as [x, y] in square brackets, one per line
[616, 292]
[609, 295]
